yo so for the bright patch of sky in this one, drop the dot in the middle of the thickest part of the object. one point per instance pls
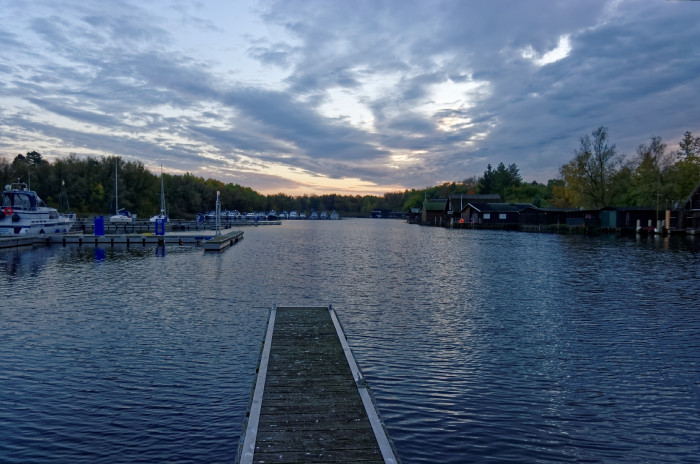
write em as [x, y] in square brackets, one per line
[347, 106]
[451, 101]
[560, 52]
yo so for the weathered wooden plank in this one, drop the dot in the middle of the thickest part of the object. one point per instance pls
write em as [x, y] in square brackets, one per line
[320, 394]
[308, 422]
[308, 457]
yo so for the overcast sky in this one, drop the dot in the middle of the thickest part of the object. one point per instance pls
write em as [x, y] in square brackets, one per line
[345, 96]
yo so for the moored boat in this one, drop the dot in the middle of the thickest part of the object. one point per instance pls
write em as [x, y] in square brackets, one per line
[23, 212]
[163, 216]
[122, 216]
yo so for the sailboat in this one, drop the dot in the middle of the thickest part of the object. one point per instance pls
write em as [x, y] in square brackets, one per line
[162, 214]
[122, 216]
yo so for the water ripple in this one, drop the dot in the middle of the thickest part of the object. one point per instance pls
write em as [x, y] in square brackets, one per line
[479, 346]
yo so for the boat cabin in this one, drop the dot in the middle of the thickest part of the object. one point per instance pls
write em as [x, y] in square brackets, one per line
[19, 197]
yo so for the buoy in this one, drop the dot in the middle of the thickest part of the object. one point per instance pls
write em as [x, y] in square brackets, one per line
[461, 221]
[8, 211]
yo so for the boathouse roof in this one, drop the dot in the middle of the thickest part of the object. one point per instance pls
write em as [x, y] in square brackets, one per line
[479, 197]
[437, 204]
[693, 200]
[500, 207]
[460, 201]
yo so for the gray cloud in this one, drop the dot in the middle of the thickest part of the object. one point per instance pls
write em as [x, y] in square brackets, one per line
[121, 69]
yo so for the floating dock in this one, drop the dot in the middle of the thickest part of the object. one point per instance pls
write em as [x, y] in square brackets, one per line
[221, 242]
[310, 402]
[87, 226]
[16, 242]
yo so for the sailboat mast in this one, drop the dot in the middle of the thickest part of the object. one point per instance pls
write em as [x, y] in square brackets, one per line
[162, 192]
[116, 187]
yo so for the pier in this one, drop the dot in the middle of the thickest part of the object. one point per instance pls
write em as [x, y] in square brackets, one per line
[220, 242]
[19, 241]
[87, 226]
[310, 402]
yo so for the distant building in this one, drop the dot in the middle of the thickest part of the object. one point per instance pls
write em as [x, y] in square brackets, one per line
[690, 214]
[434, 212]
[488, 211]
[457, 204]
[495, 214]
[627, 219]
[547, 218]
[414, 215]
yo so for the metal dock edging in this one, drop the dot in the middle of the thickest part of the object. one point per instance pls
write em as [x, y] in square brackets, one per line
[388, 452]
[247, 448]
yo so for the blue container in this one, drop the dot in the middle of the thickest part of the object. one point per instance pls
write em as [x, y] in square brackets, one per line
[160, 227]
[100, 225]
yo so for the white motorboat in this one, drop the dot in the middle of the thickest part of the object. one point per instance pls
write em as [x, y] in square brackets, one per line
[23, 212]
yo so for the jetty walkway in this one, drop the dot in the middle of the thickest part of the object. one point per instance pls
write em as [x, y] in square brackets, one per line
[209, 240]
[310, 402]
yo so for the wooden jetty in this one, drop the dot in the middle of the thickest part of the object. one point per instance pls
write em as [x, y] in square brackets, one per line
[223, 241]
[87, 226]
[117, 239]
[310, 402]
[220, 243]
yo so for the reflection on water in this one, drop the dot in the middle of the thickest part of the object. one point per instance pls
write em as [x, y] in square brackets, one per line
[480, 346]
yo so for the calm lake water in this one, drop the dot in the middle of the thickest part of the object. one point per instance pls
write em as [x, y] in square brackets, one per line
[480, 346]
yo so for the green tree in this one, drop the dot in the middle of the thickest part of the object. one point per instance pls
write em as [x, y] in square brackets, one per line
[34, 157]
[499, 180]
[537, 194]
[647, 182]
[592, 175]
[684, 175]
[689, 147]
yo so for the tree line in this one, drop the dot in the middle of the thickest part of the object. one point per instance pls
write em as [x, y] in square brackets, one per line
[90, 187]
[596, 177]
